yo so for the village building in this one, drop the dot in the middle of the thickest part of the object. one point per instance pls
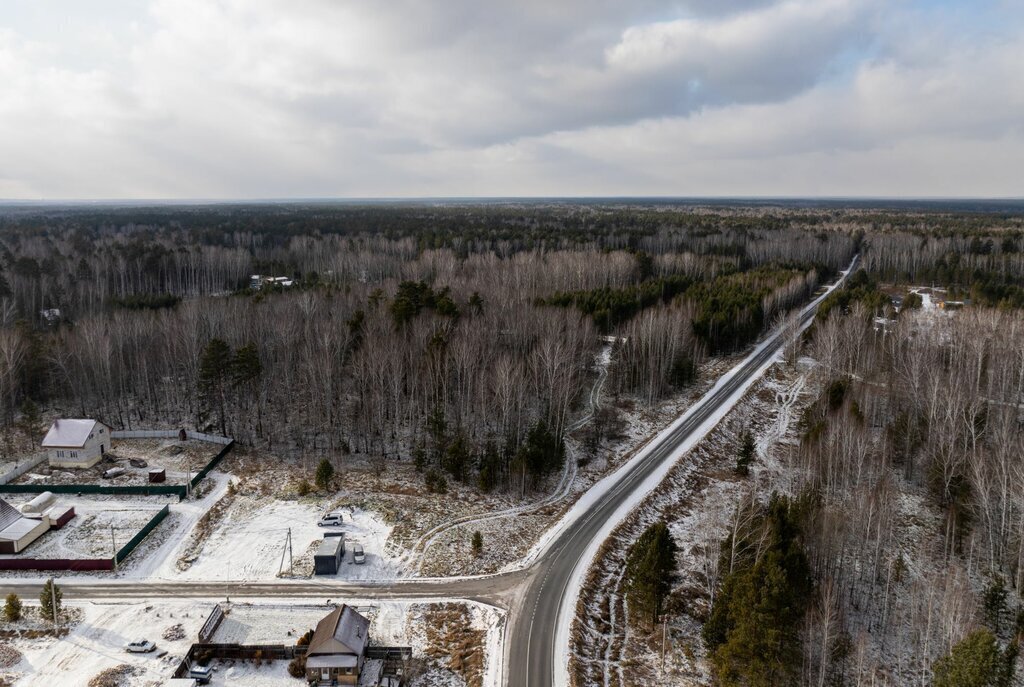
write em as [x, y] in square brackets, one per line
[74, 443]
[336, 651]
[17, 531]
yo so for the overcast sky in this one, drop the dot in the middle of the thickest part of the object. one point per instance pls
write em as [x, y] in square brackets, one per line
[386, 98]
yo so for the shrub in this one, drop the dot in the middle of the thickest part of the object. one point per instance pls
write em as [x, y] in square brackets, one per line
[297, 667]
[12, 608]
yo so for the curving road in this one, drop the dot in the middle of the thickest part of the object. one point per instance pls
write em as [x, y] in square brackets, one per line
[541, 598]
[534, 656]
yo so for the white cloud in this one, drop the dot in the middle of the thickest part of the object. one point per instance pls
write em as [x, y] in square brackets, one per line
[266, 98]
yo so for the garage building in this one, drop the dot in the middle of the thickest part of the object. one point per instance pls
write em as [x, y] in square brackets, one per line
[327, 558]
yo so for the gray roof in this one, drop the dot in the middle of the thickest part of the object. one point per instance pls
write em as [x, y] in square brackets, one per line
[330, 545]
[68, 433]
[343, 631]
[8, 514]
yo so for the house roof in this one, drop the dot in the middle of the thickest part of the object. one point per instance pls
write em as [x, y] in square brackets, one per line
[8, 514]
[66, 433]
[343, 631]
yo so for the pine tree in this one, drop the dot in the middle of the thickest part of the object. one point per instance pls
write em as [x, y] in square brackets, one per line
[747, 453]
[478, 543]
[214, 368]
[245, 365]
[753, 633]
[650, 570]
[324, 474]
[12, 608]
[50, 600]
[976, 661]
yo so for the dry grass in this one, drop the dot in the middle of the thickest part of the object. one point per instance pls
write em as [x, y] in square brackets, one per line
[114, 677]
[453, 642]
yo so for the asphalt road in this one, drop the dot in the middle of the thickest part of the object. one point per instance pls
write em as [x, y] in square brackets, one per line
[533, 596]
[533, 654]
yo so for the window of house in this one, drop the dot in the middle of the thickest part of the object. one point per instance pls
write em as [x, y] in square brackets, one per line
[60, 454]
[74, 454]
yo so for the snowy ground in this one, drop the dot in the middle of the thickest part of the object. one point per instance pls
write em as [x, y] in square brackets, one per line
[101, 526]
[179, 459]
[96, 640]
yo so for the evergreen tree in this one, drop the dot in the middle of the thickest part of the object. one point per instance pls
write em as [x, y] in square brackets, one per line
[245, 365]
[214, 368]
[995, 604]
[478, 543]
[753, 633]
[324, 474]
[12, 608]
[976, 661]
[650, 570]
[542, 452]
[50, 600]
[747, 453]
[30, 421]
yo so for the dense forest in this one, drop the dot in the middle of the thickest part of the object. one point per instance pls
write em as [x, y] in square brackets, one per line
[459, 336]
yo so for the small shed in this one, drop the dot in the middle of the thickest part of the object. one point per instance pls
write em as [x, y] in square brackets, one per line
[39, 503]
[328, 555]
[157, 475]
[60, 516]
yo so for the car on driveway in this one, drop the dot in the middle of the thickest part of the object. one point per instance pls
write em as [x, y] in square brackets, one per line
[358, 557]
[330, 520]
[143, 646]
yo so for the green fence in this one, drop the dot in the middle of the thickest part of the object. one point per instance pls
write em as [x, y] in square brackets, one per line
[134, 490]
[137, 539]
[179, 490]
[213, 463]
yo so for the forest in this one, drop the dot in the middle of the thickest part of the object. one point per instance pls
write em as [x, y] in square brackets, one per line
[462, 336]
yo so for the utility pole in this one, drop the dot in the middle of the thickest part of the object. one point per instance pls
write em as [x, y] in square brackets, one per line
[113, 546]
[291, 562]
[188, 483]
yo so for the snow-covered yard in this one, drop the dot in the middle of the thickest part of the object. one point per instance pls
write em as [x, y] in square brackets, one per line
[101, 526]
[100, 631]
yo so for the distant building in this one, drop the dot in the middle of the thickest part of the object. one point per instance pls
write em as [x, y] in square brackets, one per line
[76, 443]
[258, 281]
[51, 315]
[17, 531]
[336, 651]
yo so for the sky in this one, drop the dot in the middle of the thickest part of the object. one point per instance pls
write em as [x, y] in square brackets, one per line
[257, 99]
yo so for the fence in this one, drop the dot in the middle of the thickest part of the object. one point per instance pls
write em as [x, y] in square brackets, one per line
[168, 434]
[75, 564]
[203, 652]
[179, 490]
[211, 624]
[86, 564]
[22, 468]
[137, 539]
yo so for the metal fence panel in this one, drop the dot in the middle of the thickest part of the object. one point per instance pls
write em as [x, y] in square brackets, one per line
[146, 529]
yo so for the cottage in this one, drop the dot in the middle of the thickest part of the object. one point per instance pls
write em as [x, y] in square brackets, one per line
[76, 443]
[335, 653]
[17, 531]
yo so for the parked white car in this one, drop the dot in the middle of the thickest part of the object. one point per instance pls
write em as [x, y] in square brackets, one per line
[143, 646]
[358, 557]
[330, 520]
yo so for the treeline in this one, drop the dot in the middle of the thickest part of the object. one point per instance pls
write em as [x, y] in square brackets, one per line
[912, 508]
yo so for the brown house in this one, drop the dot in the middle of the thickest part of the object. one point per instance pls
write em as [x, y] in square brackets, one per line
[335, 653]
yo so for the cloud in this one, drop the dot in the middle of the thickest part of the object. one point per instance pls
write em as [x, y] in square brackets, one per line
[263, 98]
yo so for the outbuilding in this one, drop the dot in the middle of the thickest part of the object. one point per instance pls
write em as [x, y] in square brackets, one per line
[74, 443]
[17, 531]
[327, 558]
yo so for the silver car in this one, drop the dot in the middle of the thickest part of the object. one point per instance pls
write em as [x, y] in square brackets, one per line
[358, 557]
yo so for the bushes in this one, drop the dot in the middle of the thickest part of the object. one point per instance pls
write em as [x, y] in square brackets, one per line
[297, 667]
[12, 608]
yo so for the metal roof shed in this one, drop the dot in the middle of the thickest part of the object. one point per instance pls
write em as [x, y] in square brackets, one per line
[328, 555]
